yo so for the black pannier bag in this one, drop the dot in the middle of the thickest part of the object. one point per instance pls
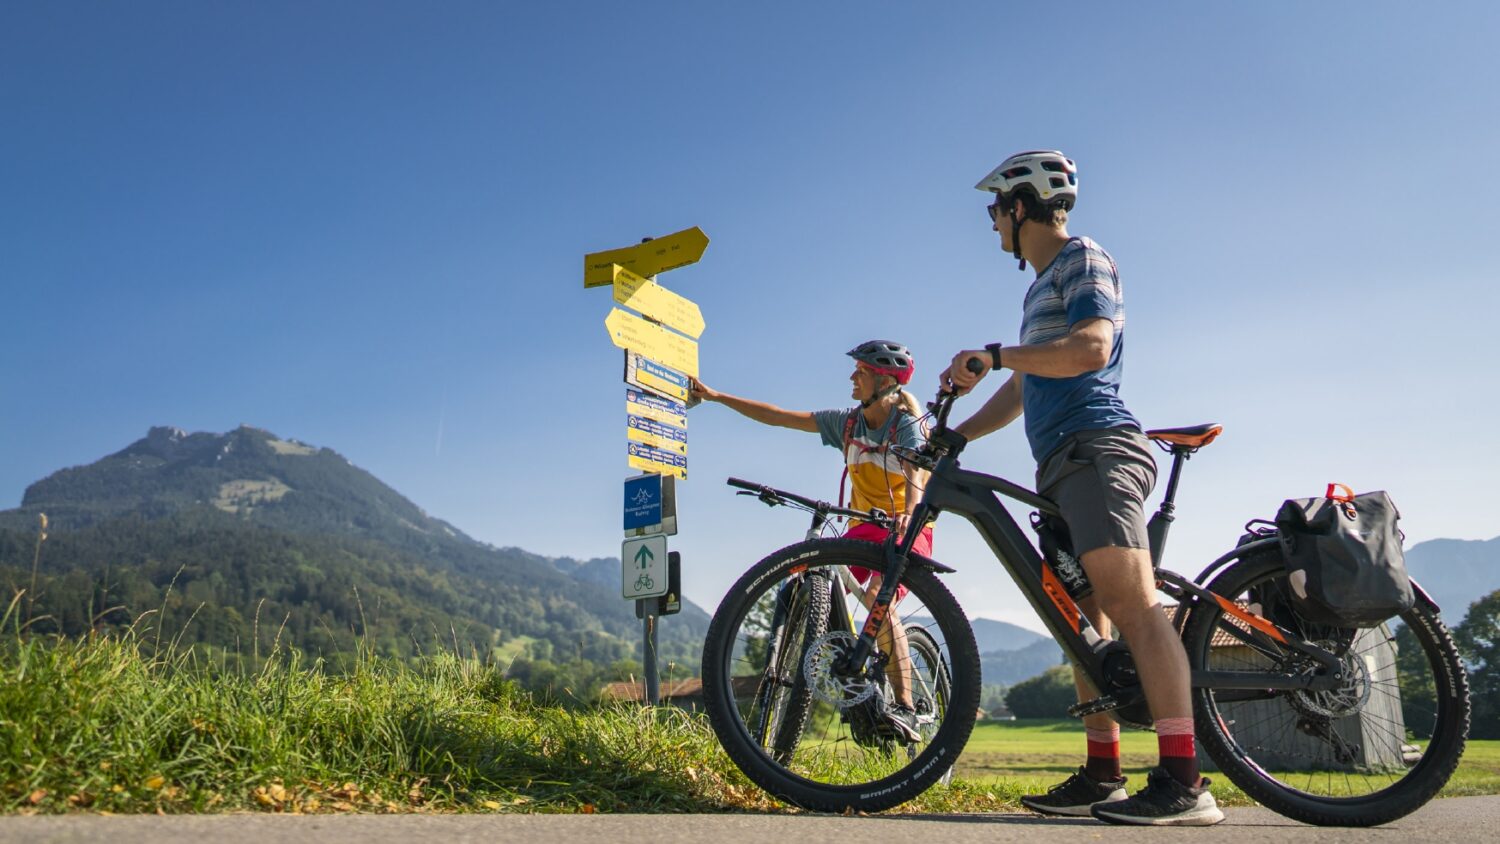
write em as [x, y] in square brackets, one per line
[1343, 558]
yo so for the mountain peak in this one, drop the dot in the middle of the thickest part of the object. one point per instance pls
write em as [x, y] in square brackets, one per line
[249, 472]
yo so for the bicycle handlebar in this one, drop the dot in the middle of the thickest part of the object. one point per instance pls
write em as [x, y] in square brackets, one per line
[942, 439]
[773, 497]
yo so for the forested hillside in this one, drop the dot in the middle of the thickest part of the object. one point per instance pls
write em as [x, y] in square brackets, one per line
[239, 541]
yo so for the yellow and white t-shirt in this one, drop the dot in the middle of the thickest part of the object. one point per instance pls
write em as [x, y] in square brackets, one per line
[874, 472]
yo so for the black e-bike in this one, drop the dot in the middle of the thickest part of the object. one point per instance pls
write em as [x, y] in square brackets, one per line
[1327, 725]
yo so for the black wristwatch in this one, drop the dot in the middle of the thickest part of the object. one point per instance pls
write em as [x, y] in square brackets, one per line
[994, 350]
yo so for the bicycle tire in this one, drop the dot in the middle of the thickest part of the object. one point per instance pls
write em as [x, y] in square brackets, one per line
[808, 616]
[895, 778]
[1398, 785]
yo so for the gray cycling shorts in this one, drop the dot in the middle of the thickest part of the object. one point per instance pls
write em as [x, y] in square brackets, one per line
[1100, 481]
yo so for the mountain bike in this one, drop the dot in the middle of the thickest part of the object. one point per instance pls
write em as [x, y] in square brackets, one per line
[1322, 724]
[809, 611]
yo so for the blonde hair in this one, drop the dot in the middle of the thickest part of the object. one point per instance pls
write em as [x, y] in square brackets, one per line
[910, 404]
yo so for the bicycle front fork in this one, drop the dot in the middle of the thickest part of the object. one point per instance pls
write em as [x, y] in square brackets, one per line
[897, 553]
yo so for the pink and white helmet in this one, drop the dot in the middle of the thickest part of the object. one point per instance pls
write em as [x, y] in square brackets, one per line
[1048, 174]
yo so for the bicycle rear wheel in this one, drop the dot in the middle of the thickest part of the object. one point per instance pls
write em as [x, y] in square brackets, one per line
[1370, 751]
[847, 757]
[931, 686]
[783, 700]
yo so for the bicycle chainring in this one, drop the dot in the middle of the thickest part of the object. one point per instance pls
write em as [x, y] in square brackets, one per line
[818, 666]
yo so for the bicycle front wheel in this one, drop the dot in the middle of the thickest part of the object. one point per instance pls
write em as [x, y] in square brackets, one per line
[848, 756]
[1373, 749]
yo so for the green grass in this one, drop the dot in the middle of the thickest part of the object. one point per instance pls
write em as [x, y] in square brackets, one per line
[1026, 756]
[104, 725]
[122, 725]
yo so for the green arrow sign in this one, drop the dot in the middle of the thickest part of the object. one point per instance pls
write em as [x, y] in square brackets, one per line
[643, 567]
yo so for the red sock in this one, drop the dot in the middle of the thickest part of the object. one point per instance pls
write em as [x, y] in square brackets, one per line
[1174, 738]
[1104, 754]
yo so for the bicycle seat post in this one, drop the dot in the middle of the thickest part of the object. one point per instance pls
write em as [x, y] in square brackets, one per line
[1161, 520]
[1182, 443]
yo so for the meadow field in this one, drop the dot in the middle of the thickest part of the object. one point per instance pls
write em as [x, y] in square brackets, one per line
[1027, 756]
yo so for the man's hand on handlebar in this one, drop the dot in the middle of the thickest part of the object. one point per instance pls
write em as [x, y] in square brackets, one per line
[968, 369]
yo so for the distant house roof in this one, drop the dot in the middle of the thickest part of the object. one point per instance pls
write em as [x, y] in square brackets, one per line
[629, 691]
[692, 687]
[1221, 638]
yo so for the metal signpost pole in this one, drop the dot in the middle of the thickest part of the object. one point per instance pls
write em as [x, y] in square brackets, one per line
[653, 680]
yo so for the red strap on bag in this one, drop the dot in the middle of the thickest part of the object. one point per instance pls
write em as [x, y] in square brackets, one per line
[1333, 494]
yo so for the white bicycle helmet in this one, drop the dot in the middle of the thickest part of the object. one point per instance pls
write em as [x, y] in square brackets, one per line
[1046, 175]
[1051, 176]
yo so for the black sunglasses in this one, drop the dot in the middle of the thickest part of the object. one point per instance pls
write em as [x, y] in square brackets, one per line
[998, 207]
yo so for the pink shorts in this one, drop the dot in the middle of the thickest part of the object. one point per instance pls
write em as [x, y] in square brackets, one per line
[871, 532]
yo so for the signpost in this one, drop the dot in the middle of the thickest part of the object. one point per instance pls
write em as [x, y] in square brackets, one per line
[661, 357]
[650, 505]
[647, 374]
[640, 403]
[643, 567]
[649, 459]
[647, 297]
[646, 259]
[672, 350]
[655, 434]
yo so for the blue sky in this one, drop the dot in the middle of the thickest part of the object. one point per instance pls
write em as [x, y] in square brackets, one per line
[361, 225]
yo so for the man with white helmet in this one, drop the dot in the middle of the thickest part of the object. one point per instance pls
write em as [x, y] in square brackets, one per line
[1095, 463]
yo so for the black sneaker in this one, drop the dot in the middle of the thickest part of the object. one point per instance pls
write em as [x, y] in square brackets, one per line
[903, 722]
[1164, 802]
[1075, 795]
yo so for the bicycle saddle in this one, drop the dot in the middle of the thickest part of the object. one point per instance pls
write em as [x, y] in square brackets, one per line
[1194, 437]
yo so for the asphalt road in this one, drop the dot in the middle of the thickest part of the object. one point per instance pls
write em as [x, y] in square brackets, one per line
[1457, 819]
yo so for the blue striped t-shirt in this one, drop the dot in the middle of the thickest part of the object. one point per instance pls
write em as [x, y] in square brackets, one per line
[1081, 283]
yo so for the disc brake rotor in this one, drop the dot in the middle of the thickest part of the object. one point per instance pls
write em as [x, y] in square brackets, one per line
[823, 679]
[1350, 696]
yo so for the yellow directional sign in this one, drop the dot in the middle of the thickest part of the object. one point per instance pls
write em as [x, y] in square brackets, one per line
[655, 434]
[642, 403]
[648, 459]
[657, 302]
[629, 331]
[646, 259]
[651, 376]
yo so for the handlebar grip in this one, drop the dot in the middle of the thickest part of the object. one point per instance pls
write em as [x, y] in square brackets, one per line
[743, 484]
[974, 365]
